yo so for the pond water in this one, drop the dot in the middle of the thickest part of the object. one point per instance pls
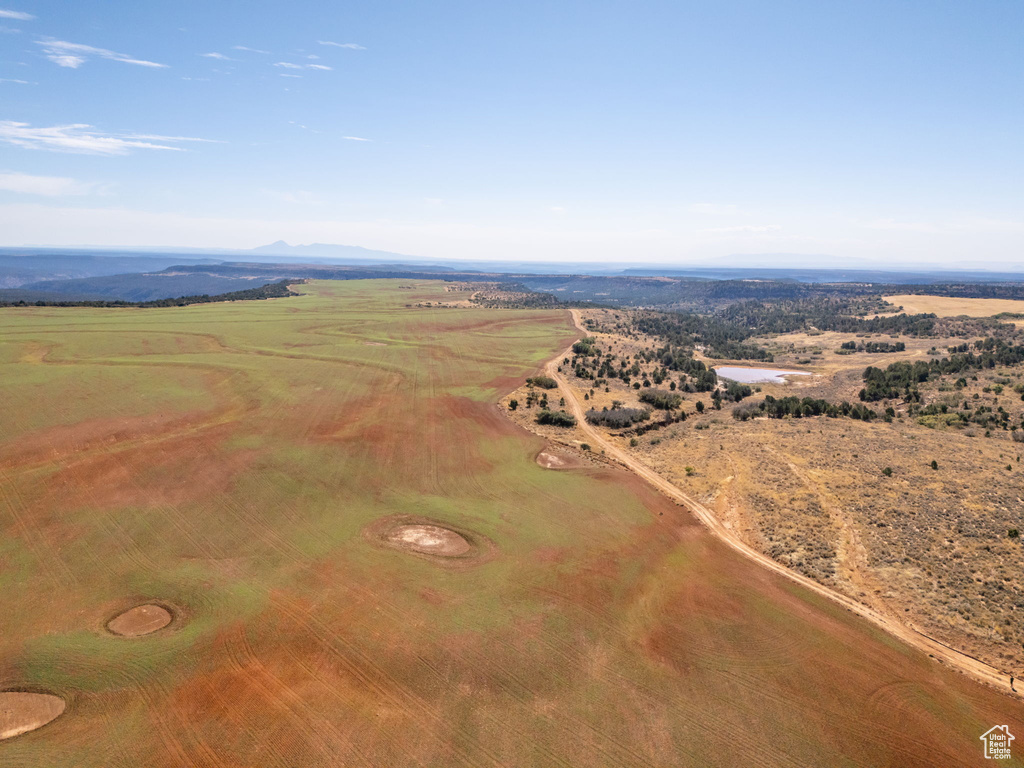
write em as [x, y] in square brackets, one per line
[756, 375]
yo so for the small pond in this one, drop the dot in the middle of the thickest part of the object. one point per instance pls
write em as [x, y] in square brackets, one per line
[756, 375]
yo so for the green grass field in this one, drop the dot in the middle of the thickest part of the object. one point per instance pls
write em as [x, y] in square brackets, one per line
[227, 459]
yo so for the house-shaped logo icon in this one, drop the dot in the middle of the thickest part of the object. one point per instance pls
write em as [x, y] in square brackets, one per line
[997, 742]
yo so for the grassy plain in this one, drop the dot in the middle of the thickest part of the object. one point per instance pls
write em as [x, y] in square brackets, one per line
[953, 306]
[226, 460]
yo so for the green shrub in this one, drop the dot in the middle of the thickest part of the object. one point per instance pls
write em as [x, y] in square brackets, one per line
[556, 418]
[660, 398]
[544, 382]
[618, 418]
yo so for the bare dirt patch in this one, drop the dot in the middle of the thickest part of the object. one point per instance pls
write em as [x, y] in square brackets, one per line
[550, 458]
[140, 620]
[431, 539]
[21, 712]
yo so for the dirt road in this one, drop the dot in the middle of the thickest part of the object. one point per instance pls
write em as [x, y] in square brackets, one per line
[976, 668]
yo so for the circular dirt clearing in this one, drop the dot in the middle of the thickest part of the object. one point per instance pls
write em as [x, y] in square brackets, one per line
[441, 543]
[429, 540]
[551, 459]
[140, 620]
[23, 712]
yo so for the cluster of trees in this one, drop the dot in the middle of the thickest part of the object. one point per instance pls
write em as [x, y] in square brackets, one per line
[585, 347]
[556, 418]
[900, 379]
[984, 416]
[270, 291]
[683, 331]
[872, 347]
[822, 314]
[668, 420]
[795, 407]
[660, 399]
[734, 391]
[591, 363]
[617, 417]
[544, 382]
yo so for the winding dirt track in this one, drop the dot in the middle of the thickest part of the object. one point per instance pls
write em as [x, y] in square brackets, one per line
[969, 665]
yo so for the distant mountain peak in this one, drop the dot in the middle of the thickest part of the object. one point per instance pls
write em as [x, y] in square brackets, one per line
[329, 251]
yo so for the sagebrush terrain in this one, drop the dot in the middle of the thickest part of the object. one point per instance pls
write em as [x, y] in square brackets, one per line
[855, 505]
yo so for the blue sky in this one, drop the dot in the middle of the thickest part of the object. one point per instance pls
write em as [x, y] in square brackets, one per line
[625, 131]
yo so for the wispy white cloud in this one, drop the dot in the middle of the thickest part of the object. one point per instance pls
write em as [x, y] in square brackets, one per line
[19, 15]
[355, 138]
[745, 229]
[291, 65]
[79, 138]
[215, 55]
[246, 48]
[284, 74]
[12, 80]
[51, 186]
[157, 137]
[351, 46]
[74, 55]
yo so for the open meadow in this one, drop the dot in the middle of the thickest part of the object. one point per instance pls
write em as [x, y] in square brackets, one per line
[952, 306]
[363, 564]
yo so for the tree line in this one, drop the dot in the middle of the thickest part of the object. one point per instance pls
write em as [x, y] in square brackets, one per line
[276, 290]
[900, 379]
[797, 408]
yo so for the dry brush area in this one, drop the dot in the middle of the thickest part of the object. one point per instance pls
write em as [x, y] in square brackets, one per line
[854, 505]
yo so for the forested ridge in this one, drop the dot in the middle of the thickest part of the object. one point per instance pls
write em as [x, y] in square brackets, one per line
[270, 291]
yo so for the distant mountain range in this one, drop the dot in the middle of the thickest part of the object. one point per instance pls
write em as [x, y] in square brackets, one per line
[25, 265]
[329, 251]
